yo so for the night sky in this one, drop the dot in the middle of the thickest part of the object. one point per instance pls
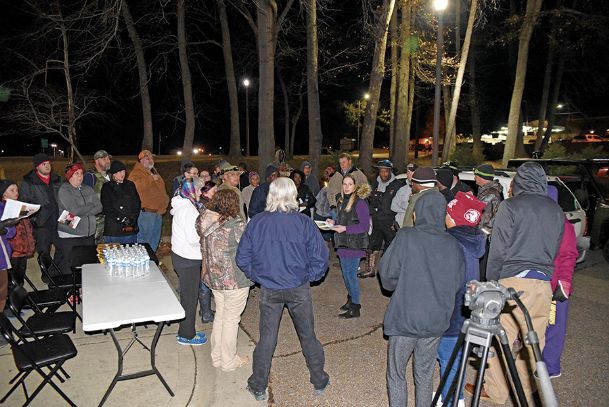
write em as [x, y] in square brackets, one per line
[345, 57]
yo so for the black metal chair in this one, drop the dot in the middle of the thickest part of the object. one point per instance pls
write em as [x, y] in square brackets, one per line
[39, 324]
[55, 279]
[50, 352]
[47, 300]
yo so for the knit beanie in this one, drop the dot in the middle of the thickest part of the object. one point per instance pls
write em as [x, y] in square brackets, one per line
[116, 166]
[465, 209]
[39, 159]
[485, 171]
[269, 170]
[252, 174]
[4, 184]
[72, 169]
[424, 175]
[445, 177]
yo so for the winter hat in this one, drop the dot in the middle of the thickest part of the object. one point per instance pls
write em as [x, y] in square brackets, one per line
[117, 166]
[384, 164]
[424, 176]
[39, 159]
[485, 171]
[72, 169]
[465, 209]
[445, 177]
[101, 154]
[305, 164]
[269, 170]
[4, 184]
[451, 165]
[252, 174]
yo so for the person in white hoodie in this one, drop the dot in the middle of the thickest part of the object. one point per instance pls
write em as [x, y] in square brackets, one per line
[186, 256]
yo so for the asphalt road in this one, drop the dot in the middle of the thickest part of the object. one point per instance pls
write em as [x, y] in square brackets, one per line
[356, 349]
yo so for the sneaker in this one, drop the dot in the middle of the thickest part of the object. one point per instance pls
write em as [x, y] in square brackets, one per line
[258, 395]
[200, 334]
[196, 341]
[555, 376]
[321, 392]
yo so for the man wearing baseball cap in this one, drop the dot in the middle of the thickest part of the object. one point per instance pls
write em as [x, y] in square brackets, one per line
[96, 178]
[423, 180]
[153, 196]
[231, 176]
[40, 186]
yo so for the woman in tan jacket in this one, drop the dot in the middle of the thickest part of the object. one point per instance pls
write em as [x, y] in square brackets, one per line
[220, 228]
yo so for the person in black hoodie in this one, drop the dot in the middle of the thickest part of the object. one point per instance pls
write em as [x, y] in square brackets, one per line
[424, 287]
[121, 205]
[463, 215]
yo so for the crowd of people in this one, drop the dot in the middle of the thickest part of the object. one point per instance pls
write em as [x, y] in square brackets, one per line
[425, 233]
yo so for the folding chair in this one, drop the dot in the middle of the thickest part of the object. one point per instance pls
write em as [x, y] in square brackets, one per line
[71, 282]
[51, 353]
[48, 300]
[39, 324]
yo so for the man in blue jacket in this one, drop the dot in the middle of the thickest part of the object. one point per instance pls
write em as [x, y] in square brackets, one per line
[283, 251]
[258, 200]
[424, 286]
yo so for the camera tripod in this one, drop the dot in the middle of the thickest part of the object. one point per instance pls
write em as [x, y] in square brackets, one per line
[480, 331]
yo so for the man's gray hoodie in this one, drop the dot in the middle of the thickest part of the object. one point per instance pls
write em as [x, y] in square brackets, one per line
[528, 227]
[424, 267]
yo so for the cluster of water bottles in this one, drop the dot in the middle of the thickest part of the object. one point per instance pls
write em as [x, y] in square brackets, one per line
[127, 261]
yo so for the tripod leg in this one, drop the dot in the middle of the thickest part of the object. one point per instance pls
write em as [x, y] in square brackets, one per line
[507, 353]
[458, 381]
[480, 378]
[451, 362]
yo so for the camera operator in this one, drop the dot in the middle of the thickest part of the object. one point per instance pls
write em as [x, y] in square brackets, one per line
[526, 235]
[121, 205]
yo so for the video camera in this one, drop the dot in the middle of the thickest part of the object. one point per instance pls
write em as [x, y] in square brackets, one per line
[486, 300]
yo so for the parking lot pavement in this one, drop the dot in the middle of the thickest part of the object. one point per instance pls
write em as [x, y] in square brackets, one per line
[355, 356]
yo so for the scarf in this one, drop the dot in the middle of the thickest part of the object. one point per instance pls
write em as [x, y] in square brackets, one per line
[187, 191]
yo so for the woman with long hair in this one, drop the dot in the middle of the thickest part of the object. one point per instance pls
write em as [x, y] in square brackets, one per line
[220, 227]
[351, 238]
[208, 190]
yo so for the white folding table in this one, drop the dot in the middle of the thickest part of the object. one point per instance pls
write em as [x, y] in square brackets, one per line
[110, 302]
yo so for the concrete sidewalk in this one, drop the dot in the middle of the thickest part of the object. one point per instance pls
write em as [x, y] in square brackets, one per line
[187, 370]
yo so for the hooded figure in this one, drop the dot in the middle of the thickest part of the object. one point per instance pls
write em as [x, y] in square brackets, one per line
[310, 178]
[424, 288]
[526, 237]
[527, 229]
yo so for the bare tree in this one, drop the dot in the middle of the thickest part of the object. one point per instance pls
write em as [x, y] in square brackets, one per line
[526, 31]
[473, 103]
[189, 131]
[142, 75]
[231, 83]
[402, 133]
[374, 88]
[313, 110]
[393, 90]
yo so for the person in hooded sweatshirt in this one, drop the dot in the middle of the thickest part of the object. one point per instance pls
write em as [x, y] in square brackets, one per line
[424, 287]
[526, 236]
[463, 215]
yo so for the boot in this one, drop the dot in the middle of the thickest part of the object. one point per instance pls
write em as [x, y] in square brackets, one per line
[345, 307]
[207, 315]
[371, 266]
[352, 312]
[364, 267]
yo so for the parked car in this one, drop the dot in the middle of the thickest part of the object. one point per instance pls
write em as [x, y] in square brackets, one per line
[566, 199]
[587, 138]
[589, 181]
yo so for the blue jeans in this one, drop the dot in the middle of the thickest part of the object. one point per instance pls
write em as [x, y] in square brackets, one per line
[447, 344]
[300, 306]
[149, 224]
[125, 239]
[349, 266]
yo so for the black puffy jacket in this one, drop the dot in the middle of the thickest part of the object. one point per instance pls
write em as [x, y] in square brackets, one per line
[33, 190]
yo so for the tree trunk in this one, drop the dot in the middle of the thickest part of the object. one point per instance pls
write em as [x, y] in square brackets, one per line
[69, 90]
[231, 84]
[400, 142]
[526, 31]
[451, 131]
[286, 113]
[266, 18]
[374, 89]
[555, 93]
[393, 91]
[189, 131]
[142, 74]
[473, 103]
[458, 27]
[313, 110]
[411, 81]
[296, 118]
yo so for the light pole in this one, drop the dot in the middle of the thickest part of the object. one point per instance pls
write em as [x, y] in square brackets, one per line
[246, 83]
[439, 6]
[359, 115]
[54, 145]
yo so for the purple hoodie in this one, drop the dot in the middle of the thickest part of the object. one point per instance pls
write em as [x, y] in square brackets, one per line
[5, 248]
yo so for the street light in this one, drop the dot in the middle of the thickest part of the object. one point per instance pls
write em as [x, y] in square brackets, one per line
[359, 114]
[246, 83]
[439, 6]
[54, 145]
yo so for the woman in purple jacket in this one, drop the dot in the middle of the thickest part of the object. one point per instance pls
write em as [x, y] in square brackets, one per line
[351, 238]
